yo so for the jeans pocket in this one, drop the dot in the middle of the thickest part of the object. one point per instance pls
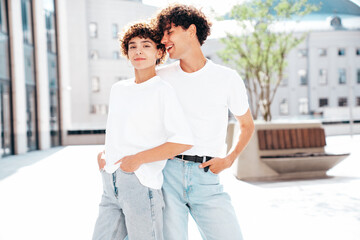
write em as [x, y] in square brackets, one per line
[212, 173]
[128, 173]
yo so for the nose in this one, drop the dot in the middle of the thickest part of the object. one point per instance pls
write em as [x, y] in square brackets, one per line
[138, 51]
[164, 39]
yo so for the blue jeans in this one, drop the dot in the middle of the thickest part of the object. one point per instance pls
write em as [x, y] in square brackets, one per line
[128, 208]
[189, 189]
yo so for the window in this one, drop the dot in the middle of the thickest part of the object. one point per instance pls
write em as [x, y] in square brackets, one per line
[94, 54]
[322, 76]
[302, 53]
[284, 82]
[357, 101]
[341, 52]
[302, 77]
[114, 30]
[322, 52]
[95, 84]
[93, 30]
[99, 109]
[342, 102]
[358, 51]
[342, 76]
[323, 102]
[3, 20]
[121, 78]
[116, 55]
[358, 76]
[303, 106]
[284, 107]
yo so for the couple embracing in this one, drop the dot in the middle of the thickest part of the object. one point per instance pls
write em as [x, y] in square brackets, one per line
[165, 135]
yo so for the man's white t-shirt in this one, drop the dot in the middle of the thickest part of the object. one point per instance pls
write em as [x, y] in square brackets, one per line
[143, 116]
[205, 96]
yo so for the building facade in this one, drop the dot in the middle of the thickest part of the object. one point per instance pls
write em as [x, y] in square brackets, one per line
[58, 60]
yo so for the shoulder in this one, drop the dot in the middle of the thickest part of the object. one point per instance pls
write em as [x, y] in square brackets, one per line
[122, 83]
[168, 68]
[164, 85]
[224, 70]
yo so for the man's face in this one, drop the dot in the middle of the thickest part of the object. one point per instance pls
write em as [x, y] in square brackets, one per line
[176, 41]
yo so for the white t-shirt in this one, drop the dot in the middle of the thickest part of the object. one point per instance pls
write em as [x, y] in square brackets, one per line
[205, 96]
[143, 116]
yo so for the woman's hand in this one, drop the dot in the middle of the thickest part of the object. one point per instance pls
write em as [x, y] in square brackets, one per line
[101, 160]
[129, 163]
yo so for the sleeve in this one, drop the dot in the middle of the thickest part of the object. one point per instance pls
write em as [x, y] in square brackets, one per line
[175, 123]
[237, 96]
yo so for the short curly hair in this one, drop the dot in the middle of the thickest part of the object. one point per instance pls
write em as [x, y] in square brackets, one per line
[142, 30]
[184, 15]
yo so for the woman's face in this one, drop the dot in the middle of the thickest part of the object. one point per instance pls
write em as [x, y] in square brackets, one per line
[143, 53]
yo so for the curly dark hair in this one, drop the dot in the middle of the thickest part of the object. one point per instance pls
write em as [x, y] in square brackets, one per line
[142, 30]
[184, 15]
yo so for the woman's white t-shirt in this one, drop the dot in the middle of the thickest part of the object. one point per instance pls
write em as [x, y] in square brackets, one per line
[143, 116]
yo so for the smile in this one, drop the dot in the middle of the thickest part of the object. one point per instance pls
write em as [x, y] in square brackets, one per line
[139, 59]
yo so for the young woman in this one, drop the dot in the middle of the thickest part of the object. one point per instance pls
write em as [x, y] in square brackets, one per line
[145, 126]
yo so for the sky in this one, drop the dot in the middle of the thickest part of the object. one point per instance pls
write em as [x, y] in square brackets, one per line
[219, 6]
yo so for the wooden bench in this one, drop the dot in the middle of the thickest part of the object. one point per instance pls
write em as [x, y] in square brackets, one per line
[286, 151]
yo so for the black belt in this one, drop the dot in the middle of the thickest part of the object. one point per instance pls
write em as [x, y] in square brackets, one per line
[197, 159]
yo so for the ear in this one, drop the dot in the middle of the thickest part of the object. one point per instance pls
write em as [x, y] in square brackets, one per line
[192, 30]
[159, 53]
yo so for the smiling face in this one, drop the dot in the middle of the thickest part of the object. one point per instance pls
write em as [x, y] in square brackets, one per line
[177, 41]
[143, 53]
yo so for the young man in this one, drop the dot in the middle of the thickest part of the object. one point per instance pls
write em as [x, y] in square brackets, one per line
[206, 91]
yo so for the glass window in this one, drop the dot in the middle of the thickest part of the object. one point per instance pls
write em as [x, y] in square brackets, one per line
[322, 76]
[302, 53]
[116, 55]
[93, 30]
[6, 146]
[121, 78]
[358, 51]
[284, 107]
[26, 12]
[342, 102]
[358, 76]
[303, 106]
[357, 101]
[114, 30]
[302, 77]
[3, 18]
[342, 76]
[341, 52]
[94, 54]
[322, 52]
[323, 102]
[95, 84]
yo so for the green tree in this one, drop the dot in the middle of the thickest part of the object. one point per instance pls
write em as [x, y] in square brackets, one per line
[259, 52]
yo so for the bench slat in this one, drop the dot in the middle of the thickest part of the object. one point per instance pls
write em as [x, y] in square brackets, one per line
[273, 139]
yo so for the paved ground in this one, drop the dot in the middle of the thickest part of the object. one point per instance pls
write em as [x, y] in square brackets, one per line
[54, 194]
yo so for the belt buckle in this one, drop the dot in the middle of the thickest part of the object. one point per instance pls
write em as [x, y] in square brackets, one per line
[206, 168]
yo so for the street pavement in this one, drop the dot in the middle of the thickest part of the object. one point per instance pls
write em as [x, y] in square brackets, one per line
[54, 194]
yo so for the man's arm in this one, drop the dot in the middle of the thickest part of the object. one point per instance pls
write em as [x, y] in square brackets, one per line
[164, 151]
[247, 128]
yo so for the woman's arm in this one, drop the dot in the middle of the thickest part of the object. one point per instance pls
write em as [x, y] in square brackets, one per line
[164, 151]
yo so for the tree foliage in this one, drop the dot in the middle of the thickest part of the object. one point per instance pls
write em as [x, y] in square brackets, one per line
[259, 53]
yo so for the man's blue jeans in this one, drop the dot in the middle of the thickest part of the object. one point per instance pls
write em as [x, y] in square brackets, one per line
[188, 188]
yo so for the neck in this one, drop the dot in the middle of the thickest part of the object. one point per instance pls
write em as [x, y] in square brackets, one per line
[194, 61]
[142, 75]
